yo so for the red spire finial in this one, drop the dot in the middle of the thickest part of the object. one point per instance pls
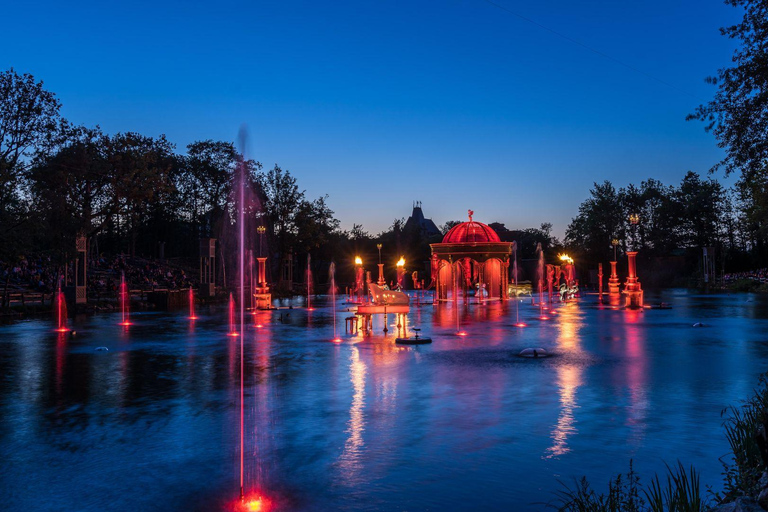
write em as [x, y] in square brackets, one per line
[471, 213]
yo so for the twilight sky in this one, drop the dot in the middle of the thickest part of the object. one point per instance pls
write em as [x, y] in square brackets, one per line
[456, 103]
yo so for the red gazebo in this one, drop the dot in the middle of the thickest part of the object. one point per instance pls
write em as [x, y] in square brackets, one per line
[471, 257]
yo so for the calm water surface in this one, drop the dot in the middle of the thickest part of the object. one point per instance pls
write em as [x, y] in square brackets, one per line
[153, 424]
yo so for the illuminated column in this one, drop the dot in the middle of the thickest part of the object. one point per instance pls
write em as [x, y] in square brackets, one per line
[632, 287]
[381, 281]
[262, 272]
[400, 272]
[613, 281]
[600, 281]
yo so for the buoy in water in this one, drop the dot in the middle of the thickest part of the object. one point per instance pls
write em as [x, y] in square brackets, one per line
[698, 324]
[102, 349]
[534, 353]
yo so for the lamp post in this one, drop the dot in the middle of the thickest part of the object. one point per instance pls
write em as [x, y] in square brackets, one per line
[261, 230]
[263, 297]
[632, 286]
[613, 281]
[381, 281]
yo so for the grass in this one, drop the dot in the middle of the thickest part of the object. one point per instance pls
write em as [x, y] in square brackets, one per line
[679, 492]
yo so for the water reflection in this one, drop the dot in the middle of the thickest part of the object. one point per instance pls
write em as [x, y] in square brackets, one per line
[569, 378]
[351, 458]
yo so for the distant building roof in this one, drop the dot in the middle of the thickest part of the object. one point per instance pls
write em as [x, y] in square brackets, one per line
[417, 221]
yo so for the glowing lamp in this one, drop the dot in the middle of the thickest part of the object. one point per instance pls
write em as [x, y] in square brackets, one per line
[358, 260]
[400, 262]
[565, 258]
[634, 218]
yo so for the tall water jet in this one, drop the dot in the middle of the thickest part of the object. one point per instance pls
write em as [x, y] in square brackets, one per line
[124, 301]
[518, 323]
[309, 282]
[232, 317]
[61, 311]
[540, 275]
[192, 315]
[332, 277]
[455, 272]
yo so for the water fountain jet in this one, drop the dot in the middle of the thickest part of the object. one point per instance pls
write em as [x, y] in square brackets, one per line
[124, 301]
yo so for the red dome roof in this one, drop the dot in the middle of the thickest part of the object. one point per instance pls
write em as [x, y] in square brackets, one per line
[470, 232]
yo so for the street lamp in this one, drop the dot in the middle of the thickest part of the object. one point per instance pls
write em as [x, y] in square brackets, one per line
[381, 281]
[615, 244]
[261, 230]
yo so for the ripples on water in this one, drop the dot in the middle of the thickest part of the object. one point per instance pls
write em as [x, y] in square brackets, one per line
[367, 424]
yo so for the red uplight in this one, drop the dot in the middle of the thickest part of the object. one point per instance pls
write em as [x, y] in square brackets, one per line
[125, 324]
[259, 326]
[253, 504]
[233, 334]
[461, 333]
[336, 340]
[194, 317]
[543, 318]
[520, 324]
[61, 329]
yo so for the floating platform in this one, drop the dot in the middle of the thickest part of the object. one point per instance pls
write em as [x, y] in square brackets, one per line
[378, 309]
[413, 340]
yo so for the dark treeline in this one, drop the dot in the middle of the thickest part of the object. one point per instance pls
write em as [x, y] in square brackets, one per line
[670, 221]
[137, 195]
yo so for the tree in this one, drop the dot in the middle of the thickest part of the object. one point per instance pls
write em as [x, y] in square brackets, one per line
[738, 114]
[600, 219]
[701, 203]
[29, 117]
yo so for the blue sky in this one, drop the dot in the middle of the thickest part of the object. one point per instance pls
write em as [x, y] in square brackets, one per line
[457, 103]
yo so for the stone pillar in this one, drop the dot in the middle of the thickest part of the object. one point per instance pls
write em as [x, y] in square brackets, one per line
[613, 281]
[381, 281]
[600, 281]
[262, 296]
[632, 290]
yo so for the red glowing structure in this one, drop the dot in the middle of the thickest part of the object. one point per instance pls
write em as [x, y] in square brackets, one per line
[632, 290]
[232, 319]
[125, 299]
[600, 281]
[472, 254]
[61, 312]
